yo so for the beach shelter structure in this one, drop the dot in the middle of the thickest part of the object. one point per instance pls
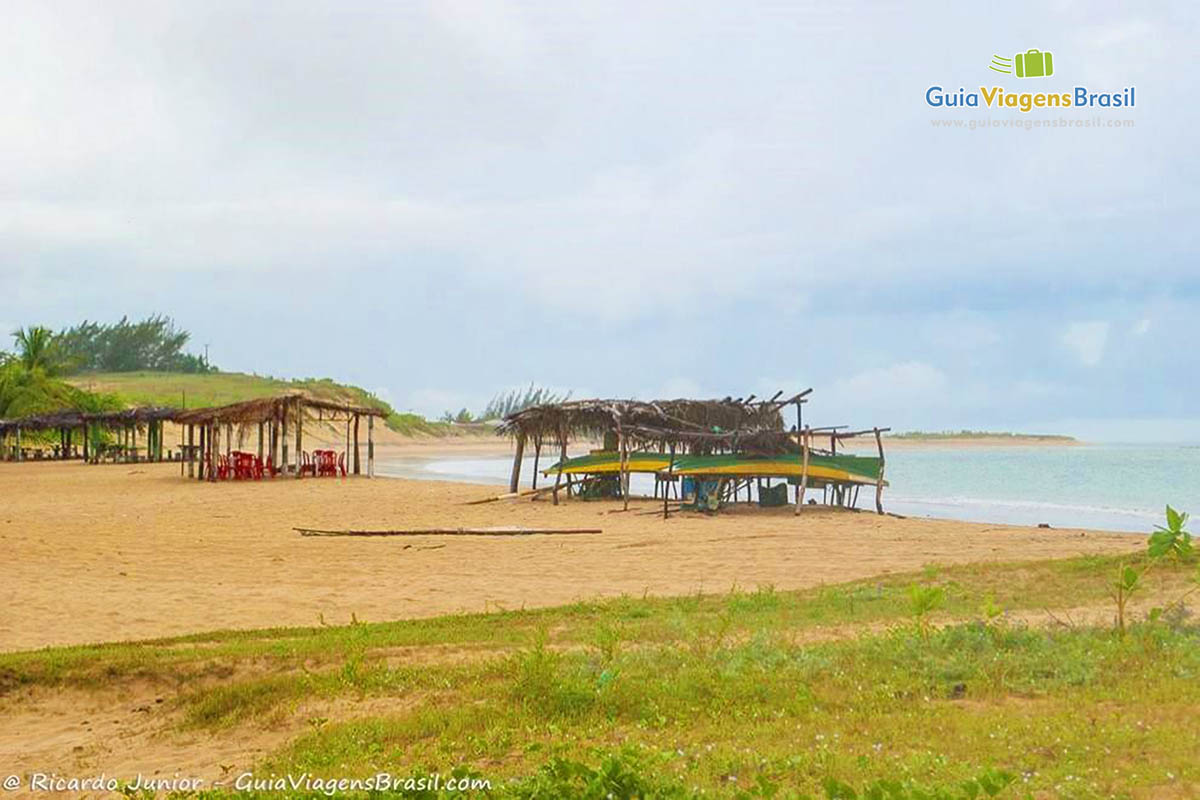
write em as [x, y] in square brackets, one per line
[278, 421]
[732, 442]
[127, 424]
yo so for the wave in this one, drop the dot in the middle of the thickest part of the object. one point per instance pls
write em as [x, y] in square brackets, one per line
[1031, 505]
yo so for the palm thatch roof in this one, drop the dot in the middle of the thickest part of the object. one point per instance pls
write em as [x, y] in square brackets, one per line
[265, 409]
[70, 418]
[699, 425]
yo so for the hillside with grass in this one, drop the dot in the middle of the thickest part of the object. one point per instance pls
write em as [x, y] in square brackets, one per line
[195, 390]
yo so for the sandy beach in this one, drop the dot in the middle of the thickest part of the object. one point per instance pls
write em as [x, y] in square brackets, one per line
[101, 553]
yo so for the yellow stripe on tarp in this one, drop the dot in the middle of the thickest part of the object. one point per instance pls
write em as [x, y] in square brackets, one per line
[778, 469]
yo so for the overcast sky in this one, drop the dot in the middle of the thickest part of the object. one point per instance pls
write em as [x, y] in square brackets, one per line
[441, 200]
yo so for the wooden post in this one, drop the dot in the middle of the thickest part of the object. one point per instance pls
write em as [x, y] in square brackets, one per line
[879, 480]
[229, 437]
[214, 450]
[624, 469]
[20, 452]
[357, 469]
[348, 439]
[299, 437]
[191, 451]
[803, 472]
[562, 460]
[85, 441]
[200, 453]
[370, 446]
[667, 485]
[283, 442]
[537, 454]
[514, 478]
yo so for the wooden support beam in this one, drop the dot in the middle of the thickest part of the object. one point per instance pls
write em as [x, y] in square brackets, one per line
[357, 467]
[537, 454]
[283, 443]
[514, 478]
[299, 437]
[371, 446]
[200, 456]
[807, 439]
[191, 452]
[624, 469]
[879, 480]
[562, 459]
[667, 486]
[260, 439]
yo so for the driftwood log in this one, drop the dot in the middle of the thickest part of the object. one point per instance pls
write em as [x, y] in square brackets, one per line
[450, 532]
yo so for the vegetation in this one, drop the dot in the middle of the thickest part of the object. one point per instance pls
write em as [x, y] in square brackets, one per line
[970, 434]
[29, 382]
[505, 403]
[869, 689]
[151, 344]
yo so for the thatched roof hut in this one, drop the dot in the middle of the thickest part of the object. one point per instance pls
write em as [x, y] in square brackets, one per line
[692, 426]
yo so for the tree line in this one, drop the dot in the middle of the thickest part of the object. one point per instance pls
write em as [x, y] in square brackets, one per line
[153, 343]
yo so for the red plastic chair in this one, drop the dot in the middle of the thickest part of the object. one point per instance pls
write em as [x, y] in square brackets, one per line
[307, 467]
[341, 463]
[222, 468]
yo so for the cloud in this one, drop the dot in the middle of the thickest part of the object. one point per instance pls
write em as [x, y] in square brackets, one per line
[1086, 340]
[1141, 327]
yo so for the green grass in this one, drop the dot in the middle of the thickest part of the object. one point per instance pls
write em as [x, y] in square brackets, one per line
[221, 388]
[757, 691]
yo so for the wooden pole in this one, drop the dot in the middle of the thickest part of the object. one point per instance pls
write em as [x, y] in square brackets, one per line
[514, 478]
[879, 480]
[667, 485]
[214, 449]
[357, 469]
[200, 453]
[299, 437]
[803, 472]
[370, 445]
[85, 442]
[562, 460]
[260, 440]
[537, 454]
[191, 452]
[20, 452]
[283, 442]
[347, 438]
[624, 469]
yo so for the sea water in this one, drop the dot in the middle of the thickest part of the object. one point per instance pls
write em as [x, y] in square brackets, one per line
[1106, 487]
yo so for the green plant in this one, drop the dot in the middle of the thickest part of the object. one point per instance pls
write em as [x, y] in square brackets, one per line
[1171, 541]
[989, 783]
[922, 601]
[1127, 582]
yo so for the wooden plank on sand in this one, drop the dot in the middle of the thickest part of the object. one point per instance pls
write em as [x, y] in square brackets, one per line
[450, 532]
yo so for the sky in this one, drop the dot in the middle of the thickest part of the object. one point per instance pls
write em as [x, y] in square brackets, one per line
[439, 201]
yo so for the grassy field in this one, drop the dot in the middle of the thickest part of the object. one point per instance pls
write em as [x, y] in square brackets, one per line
[219, 388]
[980, 677]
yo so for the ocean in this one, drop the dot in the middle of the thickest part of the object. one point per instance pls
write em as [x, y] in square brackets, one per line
[1104, 487]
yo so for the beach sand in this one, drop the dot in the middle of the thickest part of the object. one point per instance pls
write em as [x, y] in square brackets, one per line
[117, 552]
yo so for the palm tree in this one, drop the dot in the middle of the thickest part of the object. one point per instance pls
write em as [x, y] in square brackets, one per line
[37, 349]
